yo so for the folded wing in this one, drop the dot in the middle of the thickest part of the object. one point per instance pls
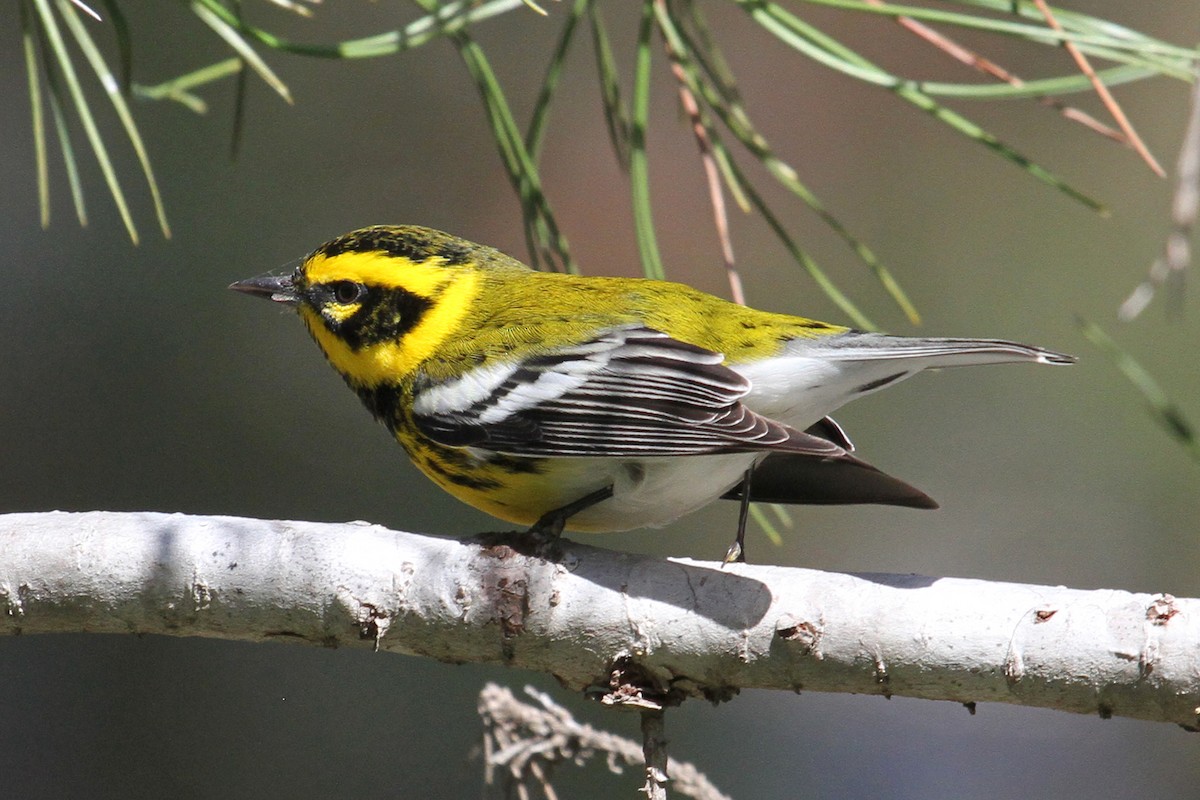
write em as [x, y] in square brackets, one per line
[629, 392]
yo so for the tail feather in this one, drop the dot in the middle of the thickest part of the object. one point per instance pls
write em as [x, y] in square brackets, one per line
[806, 480]
[858, 346]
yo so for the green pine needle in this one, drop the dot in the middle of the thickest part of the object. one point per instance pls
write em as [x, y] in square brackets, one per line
[639, 173]
[1162, 409]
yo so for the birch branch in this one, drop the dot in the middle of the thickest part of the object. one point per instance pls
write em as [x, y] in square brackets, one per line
[640, 629]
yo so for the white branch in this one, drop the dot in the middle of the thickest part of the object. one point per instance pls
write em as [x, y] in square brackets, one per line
[657, 629]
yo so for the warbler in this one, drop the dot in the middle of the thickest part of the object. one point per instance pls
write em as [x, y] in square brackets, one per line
[599, 403]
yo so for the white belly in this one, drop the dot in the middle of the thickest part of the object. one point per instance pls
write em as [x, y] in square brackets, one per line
[654, 491]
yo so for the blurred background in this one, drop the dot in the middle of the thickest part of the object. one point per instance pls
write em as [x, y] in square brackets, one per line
[132, 380]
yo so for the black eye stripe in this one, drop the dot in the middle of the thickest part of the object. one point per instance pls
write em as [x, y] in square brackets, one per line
[383, 315]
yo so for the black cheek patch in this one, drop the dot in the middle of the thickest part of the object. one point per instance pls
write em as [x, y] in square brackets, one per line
[385, 315]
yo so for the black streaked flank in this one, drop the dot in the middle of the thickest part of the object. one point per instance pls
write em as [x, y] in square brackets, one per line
[471, 480]
[518, 465]
[402, 241]
[462, 468]
[879, 383]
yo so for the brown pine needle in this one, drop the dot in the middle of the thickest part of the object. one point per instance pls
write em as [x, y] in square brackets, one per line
[1106, 97]
[975, 61]
[711, 173]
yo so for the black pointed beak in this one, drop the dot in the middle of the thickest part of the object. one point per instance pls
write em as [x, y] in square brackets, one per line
[281, 289]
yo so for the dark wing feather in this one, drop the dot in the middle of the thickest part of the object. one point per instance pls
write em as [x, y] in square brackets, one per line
[629, 392]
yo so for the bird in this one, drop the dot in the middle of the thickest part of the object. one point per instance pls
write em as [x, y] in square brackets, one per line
[591, 403]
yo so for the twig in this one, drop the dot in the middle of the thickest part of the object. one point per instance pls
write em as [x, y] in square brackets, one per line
[654, 750]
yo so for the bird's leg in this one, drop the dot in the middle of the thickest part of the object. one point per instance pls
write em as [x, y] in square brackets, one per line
[551, 523]
[737, 551]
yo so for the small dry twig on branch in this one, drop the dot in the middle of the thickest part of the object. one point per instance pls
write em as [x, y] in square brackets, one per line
[525, 742]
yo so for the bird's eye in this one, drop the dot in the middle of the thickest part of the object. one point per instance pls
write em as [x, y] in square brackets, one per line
[347, 292]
